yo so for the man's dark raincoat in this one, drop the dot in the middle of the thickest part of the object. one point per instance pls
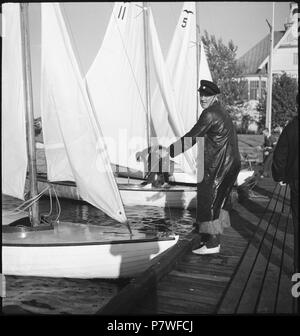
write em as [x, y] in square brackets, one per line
[221, 160]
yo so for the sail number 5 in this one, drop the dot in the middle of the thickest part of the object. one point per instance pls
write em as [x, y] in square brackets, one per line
[184, 22]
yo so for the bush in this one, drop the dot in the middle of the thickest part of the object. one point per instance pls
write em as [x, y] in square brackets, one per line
[284, 107]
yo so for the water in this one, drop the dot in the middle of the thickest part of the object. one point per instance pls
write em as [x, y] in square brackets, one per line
[76, 296]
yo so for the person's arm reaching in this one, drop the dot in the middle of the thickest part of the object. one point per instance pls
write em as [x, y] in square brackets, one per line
[189, 139]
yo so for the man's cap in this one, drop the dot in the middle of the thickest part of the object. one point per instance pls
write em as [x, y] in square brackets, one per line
[208, 88]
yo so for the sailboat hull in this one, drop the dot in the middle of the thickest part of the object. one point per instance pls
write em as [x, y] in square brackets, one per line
[63, 253]
[133, 194]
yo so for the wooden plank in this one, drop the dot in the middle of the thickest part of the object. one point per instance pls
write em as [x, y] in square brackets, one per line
[187, 295]
[230, 301]
[260, 280]
[128, 297]
[164, 307]
[285, 300]
[174, 304]
[207, 271]
[257, 277]
[234, 292]
[267, 299]
[197, 283]
[255, 289]
[192, 283]
[211, 264]
[201, 274]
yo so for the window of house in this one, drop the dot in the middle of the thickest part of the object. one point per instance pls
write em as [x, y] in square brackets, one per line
[263, 89]
[295, 59]
[244, 87]
[254, 89]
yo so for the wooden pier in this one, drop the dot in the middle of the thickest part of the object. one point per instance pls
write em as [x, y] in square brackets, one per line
[251, 275]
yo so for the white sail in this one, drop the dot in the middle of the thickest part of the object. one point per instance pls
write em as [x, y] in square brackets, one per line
[14, 151]
[182, 65]
[116, 83]
[168, 124]
[64, 97]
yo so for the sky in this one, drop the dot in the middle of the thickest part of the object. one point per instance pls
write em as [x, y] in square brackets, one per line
[242, 22]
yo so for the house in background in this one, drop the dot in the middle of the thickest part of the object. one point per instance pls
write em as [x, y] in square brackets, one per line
[284, 59]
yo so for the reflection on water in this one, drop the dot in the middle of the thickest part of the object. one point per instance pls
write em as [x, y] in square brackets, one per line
[76, 296]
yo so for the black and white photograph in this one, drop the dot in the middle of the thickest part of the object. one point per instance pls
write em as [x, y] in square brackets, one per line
[149, 161]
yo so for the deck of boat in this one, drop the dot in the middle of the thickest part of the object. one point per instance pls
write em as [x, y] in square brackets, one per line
[252, 274]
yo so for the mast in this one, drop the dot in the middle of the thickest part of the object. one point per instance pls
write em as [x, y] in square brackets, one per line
[197, 56]
[147, 69]
[270, 78]
[34, 213]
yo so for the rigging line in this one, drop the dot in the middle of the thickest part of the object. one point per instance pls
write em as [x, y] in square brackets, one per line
[57, 204]
[18, 209]
[30, 204]
[258, 248]
[268, 261]
[51, 208]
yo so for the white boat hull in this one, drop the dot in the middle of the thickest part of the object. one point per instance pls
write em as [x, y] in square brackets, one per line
[61, 254]
[133, 194]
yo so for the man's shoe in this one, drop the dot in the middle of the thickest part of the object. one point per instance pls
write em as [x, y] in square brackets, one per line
[207, 250]
[209, 244]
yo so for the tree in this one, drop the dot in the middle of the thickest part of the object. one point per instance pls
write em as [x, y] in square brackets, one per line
[224, 69]
[284, 107]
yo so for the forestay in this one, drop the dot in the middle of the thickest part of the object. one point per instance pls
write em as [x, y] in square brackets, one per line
[68, 120]
[14, 151]
[117, 85]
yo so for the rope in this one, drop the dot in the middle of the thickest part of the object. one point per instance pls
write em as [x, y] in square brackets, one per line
[58, 205]
[31, 201]
[50, 211]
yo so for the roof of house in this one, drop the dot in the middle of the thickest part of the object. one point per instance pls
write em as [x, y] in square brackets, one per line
[256, 55]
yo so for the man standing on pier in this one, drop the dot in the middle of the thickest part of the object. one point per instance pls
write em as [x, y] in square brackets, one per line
[221, 166]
